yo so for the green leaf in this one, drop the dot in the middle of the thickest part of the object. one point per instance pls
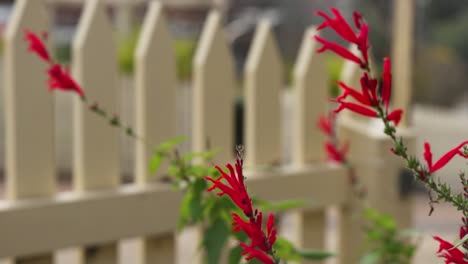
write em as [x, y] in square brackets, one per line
[235, 255]
[207, 155]
[314, 254]
[371, 258]
[285, 250]
[167, 145]
[155, 162]
[463, 240]
[278, 206]
[214, 239]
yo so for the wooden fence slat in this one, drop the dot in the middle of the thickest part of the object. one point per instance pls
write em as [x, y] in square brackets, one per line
[155, 101]
[310, 80]
[213, 97]
[311, 92]
[213, 92]
[96, 152]
[29, 123]
[264, 80]
[402, 54]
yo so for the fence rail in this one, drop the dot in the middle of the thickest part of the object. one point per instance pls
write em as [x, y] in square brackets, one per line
[36, 220]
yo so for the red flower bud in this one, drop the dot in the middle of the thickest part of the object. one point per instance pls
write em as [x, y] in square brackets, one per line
[37, 45]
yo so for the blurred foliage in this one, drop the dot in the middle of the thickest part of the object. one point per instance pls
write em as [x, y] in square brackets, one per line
[387, 244]
[187, 174]
[334, 67]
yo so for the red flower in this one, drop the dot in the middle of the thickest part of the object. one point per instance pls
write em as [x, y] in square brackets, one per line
[451, 254]
[386, 82]
[271, 232]
[395, 116]
[333, 154]
[326, 123]
[444, 159]
[343, 29]
[60, 79]
[368, 94]
[36, 45]
[255, 253]
[357, 17]
[359, 109]
[235, 188]
[339, 25]
[341, 51]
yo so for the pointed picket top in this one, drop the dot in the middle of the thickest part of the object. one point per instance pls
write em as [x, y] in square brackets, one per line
[96, 151]
[310, 81]
[29, 125]
[213, 91]
[264, 80]
[155, 89]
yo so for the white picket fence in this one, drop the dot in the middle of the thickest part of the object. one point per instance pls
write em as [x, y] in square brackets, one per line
[36, 220]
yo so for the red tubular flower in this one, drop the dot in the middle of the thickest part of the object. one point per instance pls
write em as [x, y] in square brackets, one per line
[361, 98]
[333, 154]
[341, 51]
[357, 17]
[386, 82]
[363, 42]
[369, 89]
[235, 189]
[271, 232]
[325, 123]
[444, 159]
[451, 254]
[343, 29]
[60, 79]
[395, 116]
[253, 229]
[36, 45]
[252, 252]
[359, 109]
[339, 25]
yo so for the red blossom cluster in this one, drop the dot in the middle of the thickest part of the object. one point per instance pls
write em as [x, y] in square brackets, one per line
[59, 77]
[449, 252]
[261, 246]
[373, 101]
[326, 123]
[372, 94]
[446, 158]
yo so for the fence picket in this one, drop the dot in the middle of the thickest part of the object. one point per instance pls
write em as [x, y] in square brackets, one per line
[96, 152]
[264, 82]
[402, 56]
[310, 80]
[155, 101]
[213, 96]
[30, 161]
[213, 92]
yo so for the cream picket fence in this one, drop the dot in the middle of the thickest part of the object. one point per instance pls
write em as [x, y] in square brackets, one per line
[36, 220]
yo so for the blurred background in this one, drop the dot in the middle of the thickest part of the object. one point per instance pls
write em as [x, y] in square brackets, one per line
[440, 69]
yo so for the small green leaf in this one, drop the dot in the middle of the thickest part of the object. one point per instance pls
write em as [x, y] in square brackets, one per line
[204, 155]
[278, 206]
[314, 254]
[371, 258]
[285, 250]
[167, 145]
[235, 255]
[155, 162]
[214, 239]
